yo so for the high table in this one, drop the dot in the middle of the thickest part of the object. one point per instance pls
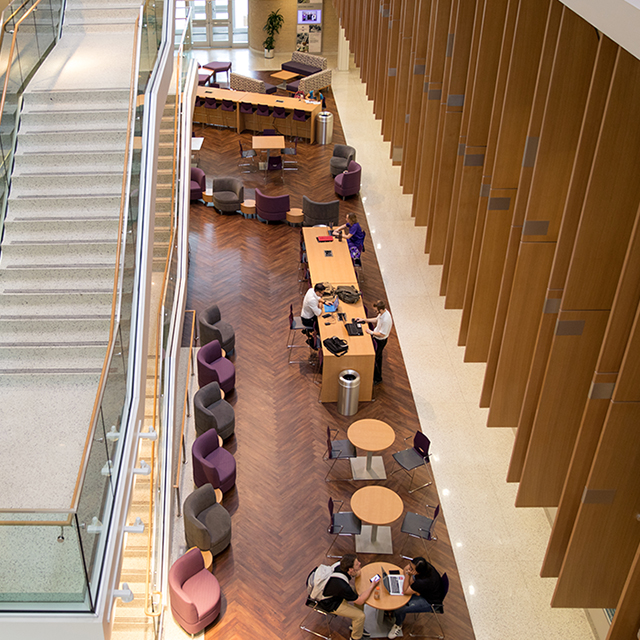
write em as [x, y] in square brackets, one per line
[337, 269]
[374, 621]
[370, 435]
[377, 506]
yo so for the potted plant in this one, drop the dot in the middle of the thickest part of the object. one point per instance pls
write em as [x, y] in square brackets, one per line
[272, 26]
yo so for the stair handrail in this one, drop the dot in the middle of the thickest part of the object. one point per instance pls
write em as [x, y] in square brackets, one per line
[10, 57]
[8, 20]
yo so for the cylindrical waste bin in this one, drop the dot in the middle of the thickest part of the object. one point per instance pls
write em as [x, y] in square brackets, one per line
[348, 392]
[324, 127]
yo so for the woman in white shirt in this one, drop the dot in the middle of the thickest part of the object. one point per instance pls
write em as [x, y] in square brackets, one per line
[380, 334]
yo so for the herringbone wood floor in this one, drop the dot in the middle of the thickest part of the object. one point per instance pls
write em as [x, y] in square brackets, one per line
[279, 505]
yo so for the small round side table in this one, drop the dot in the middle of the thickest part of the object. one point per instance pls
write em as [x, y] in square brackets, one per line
[295, 216]
[248, 208]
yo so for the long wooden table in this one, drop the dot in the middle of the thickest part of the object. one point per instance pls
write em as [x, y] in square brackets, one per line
[338, 270]
[250, 121]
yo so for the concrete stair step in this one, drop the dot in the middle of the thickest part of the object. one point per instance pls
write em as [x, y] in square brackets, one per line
[51, 331]
[46, 358]
[119, 26]
[79, 255]
[101, 14]
[76, 99]
[64, 208]
[37, 121]
[70, 162]
[56, 279]
[62, 230]
[64, 142]
[30, 185]
[55, 305]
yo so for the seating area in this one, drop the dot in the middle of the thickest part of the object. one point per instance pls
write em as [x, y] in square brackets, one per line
[238, 82]
[320, 212]
[347, 183]
[304, 64]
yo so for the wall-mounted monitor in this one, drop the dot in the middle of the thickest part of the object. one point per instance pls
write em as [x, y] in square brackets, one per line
[310, 16]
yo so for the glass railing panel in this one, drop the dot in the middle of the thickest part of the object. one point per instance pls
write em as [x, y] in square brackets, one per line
[53, 579]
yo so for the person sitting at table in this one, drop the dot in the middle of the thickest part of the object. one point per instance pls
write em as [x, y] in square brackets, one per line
[380, 334]
[423, 582]
[340, 598]
[354, 235]
[312, 307]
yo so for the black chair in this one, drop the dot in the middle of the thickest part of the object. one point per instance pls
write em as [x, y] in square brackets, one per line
[295, 324]
[417, 456]
[342, 523]
[291, 151]
[328, 617]
[437, 608]
[245, 155]
[337, 450]
[274, 163]
[415, 525]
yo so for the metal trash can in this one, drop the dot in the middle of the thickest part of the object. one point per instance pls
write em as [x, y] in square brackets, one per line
[348, 392]
[324, 127]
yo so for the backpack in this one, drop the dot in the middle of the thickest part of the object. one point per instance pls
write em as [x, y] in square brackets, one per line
[318, 578]
[348, 293]
[336, 345]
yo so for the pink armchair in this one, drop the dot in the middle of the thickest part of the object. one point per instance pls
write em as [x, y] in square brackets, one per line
[195, 593]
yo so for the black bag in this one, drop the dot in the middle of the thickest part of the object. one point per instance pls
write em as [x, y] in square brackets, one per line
[348, 294]
[336, 345]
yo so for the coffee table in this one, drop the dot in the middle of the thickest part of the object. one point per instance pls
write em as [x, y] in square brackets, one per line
[284, 77]
[377, 506]
[370, 435]
[295, 216]
[374, 621]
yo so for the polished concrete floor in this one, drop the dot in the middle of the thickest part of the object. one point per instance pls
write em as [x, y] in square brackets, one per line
[499, 549]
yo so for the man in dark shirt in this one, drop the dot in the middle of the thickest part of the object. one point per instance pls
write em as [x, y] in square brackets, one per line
[340, 598]
[423, 582]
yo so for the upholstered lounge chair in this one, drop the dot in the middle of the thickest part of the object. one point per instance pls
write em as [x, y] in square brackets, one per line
[198, 183]
[228, 194]
[212, 327]
[269, 208]
[343, 154]
[211, 463]
[348, 183]
[195, 592]
[320, 212]
[212, 412]
[212, 367]
[207, 524]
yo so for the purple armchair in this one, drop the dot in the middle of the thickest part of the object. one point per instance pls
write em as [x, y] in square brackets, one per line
[348, 183]
[271, 207]
[212, 367]
[198, 183]
[195, 593]
[212, 463]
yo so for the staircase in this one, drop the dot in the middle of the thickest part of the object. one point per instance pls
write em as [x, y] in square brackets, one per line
[130, 620]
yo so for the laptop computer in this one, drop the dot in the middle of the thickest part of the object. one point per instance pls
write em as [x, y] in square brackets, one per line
[393, 584]
[330, 308]
[353, 329]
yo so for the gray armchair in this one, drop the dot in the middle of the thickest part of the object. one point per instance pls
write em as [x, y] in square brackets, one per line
[212, 327]
[320, 212]
[207, 524]
[212, 412]
[228, 194]
[343, 154]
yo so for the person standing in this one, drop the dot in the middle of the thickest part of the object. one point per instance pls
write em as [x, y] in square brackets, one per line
[340, 598]
[423, 582]
[380, 333]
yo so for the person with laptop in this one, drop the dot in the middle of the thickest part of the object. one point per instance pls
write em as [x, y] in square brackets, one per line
[340, 598]
[423, 582]
[354, 235]
[380, 333]
[312, 307]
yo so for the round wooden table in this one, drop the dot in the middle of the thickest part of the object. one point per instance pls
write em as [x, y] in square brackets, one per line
[207, 196]
[248, 208]
[371, 436]
[377, 506]
[295, 216]
[207, 556]
[374, 609]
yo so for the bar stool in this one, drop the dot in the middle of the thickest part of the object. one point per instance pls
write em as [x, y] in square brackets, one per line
[212, 104]
[262, 111]
[299, 117]
[280, 114]
[247, 110]
[227, 107]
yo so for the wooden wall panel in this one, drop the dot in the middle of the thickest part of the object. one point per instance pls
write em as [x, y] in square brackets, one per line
[545, 187]
[380, 69]
[516, 111]
[522, 197]
[391, 69]
[626, 620]
[417, 79]
[495, 24]
[450, 121]
[598, 92]
[607, 532]
[614, 344]
[489, 161]
[431, 113]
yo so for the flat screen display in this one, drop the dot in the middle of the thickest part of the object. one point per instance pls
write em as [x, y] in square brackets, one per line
[310, 16]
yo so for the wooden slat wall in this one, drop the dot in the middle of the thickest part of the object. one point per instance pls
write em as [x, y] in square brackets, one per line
[528, 187]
